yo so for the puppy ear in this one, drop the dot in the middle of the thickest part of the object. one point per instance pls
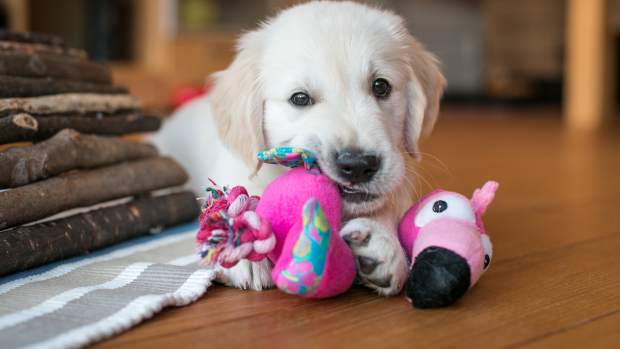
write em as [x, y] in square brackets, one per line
[238, 102]
[424, 90]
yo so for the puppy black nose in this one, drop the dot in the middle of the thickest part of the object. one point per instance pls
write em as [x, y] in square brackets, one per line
[357, 167]
[437, 279]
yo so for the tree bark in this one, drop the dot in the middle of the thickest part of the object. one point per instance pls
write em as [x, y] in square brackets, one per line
[69, 103]
[67, 150]
[42, 48]
[115, 124]
[48, 126]
[11, 86]
[26, 247]
[41, 65]
[33, 38]
[85, 188]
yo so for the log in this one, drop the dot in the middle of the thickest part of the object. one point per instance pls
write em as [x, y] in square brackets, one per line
[26, 247]
[85, 188]
[44, 65]
[67, 150]
[11, 86]
[30, 37]
[17, 127]
[41, 48]
[115, 124]
[69, 103]
[48, 126]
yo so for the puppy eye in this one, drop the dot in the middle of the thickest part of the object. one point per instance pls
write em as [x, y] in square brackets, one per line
[301, 99]
[381, 88]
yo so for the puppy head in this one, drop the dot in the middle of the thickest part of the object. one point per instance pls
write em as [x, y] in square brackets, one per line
[339, 78]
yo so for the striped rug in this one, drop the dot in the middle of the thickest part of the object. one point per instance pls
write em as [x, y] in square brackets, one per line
[82, 300]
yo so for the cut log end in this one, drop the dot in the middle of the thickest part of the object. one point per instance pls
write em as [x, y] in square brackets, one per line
[25, 121]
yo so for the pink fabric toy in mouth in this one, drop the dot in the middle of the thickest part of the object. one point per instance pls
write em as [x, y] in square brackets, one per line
[295, 223]
[445, 239]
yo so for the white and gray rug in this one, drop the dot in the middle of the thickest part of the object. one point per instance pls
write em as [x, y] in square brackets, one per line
[82, 300]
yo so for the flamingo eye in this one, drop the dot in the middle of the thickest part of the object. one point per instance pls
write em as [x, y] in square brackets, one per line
[440, 206]
[449, 205]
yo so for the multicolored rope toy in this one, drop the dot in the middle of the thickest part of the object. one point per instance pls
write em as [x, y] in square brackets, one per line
[230, 229]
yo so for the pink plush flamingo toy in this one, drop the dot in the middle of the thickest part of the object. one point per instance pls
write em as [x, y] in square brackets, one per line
[445, 239]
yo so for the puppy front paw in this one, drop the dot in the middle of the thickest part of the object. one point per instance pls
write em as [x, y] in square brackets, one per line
[247, 275]
[381, 261]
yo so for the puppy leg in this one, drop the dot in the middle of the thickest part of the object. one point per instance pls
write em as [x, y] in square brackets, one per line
[247, 275]
[381, 261]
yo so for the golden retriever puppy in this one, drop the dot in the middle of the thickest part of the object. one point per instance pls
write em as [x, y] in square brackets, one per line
[342, 79]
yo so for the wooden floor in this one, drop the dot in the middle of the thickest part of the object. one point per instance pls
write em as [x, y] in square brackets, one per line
[554, 282]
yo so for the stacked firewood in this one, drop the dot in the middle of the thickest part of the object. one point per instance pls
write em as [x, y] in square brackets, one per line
[73, 187]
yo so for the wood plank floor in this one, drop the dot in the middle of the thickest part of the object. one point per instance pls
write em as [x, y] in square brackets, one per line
[555, 278]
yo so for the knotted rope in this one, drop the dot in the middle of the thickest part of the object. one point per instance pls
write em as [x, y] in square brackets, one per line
[230, 229]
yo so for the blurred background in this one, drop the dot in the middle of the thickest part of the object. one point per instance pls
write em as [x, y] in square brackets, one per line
[557, 54]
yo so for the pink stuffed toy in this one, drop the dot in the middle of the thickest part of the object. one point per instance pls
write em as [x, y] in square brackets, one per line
[295, 224]
[445, 239]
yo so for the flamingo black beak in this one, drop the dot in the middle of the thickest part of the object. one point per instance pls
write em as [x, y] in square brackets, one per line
[437, 278]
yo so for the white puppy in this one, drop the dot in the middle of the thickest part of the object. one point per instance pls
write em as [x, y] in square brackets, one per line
[339, 78]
